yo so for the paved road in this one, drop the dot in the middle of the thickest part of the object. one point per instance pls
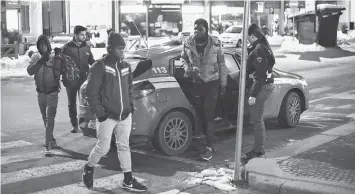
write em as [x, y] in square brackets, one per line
[25, 170]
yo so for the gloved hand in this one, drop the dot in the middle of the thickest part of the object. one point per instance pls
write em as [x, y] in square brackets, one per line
[103, 118]
[57, 51]
[44, 58]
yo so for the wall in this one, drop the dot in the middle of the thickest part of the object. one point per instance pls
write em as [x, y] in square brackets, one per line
[56, 18]
[345, 17]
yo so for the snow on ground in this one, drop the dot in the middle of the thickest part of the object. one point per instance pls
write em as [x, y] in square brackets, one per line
[219, 178]
[347, 41]
[292, 44]
[14, 67]
[275, 40]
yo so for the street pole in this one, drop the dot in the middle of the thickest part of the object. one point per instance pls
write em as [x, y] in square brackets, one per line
[241, 99]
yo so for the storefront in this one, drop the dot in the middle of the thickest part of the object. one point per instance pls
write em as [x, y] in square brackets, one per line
[225, 14]
[164, 20]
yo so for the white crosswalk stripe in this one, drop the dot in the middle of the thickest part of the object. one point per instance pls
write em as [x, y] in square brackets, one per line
[174, 191]
[42, 171]
[7, 159]
[14, 144]
[101, 184]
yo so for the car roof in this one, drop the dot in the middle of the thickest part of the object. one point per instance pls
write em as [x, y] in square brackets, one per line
[162, 54]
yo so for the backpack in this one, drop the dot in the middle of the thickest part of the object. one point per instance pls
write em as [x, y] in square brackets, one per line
[71, 74]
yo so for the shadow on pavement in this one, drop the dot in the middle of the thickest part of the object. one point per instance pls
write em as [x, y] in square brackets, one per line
[330, 53]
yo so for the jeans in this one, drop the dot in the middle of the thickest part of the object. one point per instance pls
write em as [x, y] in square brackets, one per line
[48, 106]
[206, 105]
[257, 116]
[73, 113]
[122, 130]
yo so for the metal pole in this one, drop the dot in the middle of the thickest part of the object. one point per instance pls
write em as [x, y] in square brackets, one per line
[147, 25]
[293, 24]
[239, 135]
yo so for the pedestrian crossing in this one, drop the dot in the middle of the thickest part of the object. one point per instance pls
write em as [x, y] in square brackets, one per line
[24, 165]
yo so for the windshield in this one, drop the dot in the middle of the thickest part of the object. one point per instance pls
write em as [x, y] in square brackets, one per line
[234, 29]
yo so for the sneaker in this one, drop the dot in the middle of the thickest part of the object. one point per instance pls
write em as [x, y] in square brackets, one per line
[74, 130]
[134, 185]
[47, 150]
[252, 154]
[88, 176]
[207, 155]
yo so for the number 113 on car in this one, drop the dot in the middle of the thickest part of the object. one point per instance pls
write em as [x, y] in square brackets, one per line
[159, 70]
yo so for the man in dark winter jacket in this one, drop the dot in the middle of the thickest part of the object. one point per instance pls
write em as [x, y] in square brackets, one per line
[109, 93]
[47, 69]
[80, 52]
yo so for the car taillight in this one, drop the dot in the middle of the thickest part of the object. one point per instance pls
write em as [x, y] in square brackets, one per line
[142, 89]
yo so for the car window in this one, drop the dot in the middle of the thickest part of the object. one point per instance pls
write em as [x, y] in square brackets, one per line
[233, 68]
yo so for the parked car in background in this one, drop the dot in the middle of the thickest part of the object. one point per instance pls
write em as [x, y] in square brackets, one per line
[232, 36]
[165, 99]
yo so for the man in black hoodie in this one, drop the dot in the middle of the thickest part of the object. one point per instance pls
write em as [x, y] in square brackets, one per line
[109, 93]
[47, 69]
[80, 52]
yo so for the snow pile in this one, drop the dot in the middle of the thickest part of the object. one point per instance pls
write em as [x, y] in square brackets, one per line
[14, 67]
[346, 38]
[290, 44]
[275, 40]
[219, 178]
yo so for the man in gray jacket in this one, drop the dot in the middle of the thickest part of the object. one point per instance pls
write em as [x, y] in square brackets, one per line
[109, 93]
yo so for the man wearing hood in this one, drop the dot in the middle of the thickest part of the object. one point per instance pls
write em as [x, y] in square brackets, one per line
[46, 67]
[80, 52]
[204, 61]
[109, 93]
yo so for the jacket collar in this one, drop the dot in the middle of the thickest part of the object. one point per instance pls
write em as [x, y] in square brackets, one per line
[74, 42]
[191, 44]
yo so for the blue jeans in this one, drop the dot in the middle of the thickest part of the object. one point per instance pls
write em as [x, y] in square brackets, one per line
[257, 116]
[48, 106]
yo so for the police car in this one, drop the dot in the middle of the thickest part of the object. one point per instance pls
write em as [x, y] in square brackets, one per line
[165, 99]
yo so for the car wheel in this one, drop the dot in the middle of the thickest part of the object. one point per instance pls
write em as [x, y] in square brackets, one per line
[239, 44]
[174, 133]
[290, 111]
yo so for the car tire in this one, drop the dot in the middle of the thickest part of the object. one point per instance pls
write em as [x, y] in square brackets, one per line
[171, 121]
[239, 44]
[290, 111]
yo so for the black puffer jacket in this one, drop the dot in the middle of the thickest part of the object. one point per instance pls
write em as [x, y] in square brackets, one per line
[109, 88]
[47, 73]
[82, 56]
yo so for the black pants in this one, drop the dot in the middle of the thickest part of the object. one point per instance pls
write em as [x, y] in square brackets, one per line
[206, 107]
[72, 93]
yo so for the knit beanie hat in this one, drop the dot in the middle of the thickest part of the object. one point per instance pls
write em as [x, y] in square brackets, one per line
[203, 22]
[115, 39]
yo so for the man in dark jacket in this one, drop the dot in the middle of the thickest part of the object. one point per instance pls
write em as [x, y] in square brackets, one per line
[109, 93]
[80, 52]
[47, 69]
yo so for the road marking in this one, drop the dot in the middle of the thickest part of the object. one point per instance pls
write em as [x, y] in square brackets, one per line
[174, 191]
[319, 90]
[351, 116]
[342, 96]
[28, 156]
[39, 172]
[100, 185]
[14, 144]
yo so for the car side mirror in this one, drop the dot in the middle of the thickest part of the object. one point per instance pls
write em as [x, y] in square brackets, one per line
[142, 67]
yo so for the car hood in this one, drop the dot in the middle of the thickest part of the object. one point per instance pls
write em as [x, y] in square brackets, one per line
[284, 74]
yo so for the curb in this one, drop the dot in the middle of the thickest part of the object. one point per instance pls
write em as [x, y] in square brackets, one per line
[264, 174]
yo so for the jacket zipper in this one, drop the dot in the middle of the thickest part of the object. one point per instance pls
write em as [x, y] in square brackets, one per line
[44, 85]
[119, 79]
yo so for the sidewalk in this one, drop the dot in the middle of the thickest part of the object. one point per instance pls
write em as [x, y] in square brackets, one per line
[321, 164]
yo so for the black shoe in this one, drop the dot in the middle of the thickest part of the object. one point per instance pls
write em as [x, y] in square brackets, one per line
[88, 176]
[207, 155]
[74, 130]
[134, 185]
[252, 154]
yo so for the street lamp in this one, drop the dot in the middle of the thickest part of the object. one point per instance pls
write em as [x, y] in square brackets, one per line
[241, 99]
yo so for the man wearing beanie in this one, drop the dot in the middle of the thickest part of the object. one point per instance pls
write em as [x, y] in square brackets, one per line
[109, 94]
[204, 61]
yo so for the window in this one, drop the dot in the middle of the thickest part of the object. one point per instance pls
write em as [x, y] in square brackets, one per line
[25, 18]
[233, 68]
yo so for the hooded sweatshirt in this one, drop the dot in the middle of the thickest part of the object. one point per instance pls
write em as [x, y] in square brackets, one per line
[46, 72]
